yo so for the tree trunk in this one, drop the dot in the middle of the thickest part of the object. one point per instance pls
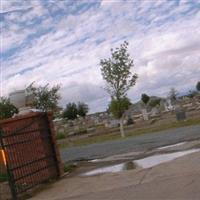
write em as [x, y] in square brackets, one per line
[122, 128]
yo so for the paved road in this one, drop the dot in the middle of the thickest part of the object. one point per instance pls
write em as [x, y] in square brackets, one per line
[139, 143]
[178, 179]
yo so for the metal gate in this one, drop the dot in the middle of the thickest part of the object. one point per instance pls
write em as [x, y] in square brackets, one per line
[29, 151]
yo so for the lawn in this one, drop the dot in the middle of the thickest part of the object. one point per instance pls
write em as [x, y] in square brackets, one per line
[132, 133]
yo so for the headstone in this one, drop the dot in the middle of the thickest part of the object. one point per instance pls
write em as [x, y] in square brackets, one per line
[180, 114]
[166, 106]
[154, 111]
[145, 114]
[170, 106]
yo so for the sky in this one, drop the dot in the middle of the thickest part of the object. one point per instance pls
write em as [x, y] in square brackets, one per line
[62, 42]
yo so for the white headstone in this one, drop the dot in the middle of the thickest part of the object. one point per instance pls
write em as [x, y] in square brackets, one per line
[145, 114]
[154, 111]
[166, 106]
[170, 106]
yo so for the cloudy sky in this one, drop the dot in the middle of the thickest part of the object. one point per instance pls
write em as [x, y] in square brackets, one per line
[62, 42]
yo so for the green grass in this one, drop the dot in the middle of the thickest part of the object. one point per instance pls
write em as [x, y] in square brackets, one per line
[60, 136]
[69, 167]
[132, 133]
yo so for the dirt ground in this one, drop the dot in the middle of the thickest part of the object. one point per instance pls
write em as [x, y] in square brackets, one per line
[177, 180]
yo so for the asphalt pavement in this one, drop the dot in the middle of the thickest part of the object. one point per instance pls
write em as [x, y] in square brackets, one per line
[178, 179]
[139, 143]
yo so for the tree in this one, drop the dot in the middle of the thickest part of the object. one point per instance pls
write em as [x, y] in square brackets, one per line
[7, 109]
[70, 112]
[192, 93]
[198, 86]
[44, 97]
[173, 94]
[154, 102]
[117, 107]
[145, 98]
[82, 109]
[116, 71]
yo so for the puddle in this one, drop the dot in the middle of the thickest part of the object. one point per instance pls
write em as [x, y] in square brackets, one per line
[111, 169]
[95, 160]
[147, 162]
[173, 145]
[162, 158]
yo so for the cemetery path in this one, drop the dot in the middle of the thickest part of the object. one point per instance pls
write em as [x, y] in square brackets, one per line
[139, 143]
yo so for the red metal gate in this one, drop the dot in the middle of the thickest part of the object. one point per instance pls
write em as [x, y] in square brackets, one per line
[31, 154]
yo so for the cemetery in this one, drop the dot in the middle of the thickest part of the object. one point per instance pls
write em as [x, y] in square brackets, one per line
[99, 99]
[136, 117]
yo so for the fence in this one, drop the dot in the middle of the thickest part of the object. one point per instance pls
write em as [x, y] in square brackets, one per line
[29, 151]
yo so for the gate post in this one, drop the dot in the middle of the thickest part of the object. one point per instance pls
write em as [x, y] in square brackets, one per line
[60, 166]
[32, 155]
[9, 173]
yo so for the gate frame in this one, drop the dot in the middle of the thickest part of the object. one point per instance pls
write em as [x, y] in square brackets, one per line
[47, 117]
[9, 173]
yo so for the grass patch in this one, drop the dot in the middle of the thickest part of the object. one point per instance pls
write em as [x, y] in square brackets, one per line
[69, 167]
[60, 136]
[165, 127]
[132, 133]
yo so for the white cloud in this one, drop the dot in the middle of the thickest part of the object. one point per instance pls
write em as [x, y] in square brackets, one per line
[69, 53]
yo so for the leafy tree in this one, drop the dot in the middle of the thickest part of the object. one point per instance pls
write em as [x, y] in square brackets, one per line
[7, 109]
[198, 86]
[117, 107]
[145, 98]
[70, 112]
[154, 102]
[191, 94]
[82, 109]
[44, 97]
[116, 71]
[58, 113]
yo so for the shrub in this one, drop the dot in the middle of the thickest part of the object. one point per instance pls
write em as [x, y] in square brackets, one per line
[60, 136]
[153, 121]
[81, 131]
[130, 121]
